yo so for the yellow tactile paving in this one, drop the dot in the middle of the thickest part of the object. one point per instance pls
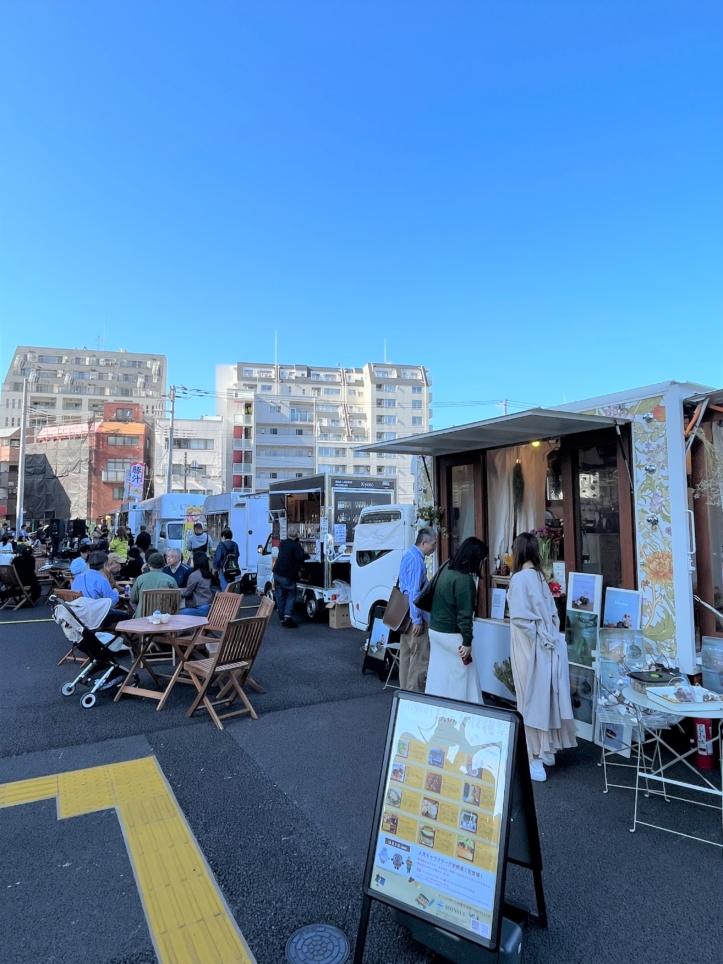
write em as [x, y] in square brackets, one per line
[186, 913]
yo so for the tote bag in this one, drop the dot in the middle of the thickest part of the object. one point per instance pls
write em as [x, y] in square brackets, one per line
[396, 615]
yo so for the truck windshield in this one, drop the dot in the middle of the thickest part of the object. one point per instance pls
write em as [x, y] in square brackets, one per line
[380, 517]
[175, 530]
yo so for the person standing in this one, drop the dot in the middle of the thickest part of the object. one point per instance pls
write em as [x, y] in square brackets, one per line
[451, 672]
[539, 659]
[198, 540]
[414, 643]
[143, 539]
[120, 544]
[286, 572]
[198, 591]
[176, 569]
[225, 561]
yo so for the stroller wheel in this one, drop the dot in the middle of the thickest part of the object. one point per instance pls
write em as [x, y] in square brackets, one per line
[67, 689]
[88, 700]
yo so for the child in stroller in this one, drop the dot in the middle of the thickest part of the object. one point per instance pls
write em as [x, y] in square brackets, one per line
[79, 621]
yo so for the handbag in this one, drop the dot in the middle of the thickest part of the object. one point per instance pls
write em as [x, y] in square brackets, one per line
[396, 615]
[426, 597]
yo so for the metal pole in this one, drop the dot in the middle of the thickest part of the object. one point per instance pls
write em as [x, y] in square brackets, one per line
[169, 477]
[185, 472]
[20, 497]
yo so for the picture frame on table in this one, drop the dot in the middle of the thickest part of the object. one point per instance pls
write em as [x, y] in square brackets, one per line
[378, 640]
[584, 592]
[623, 609]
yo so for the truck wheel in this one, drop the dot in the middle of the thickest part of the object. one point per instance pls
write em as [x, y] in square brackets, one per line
[313, 608]
[269, 592]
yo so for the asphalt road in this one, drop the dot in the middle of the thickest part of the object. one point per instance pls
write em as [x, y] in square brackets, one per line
[281, 808]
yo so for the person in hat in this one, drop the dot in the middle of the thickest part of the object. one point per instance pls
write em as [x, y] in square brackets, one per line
[155, 578]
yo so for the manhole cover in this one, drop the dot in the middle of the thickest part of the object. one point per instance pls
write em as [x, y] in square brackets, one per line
[317, 944]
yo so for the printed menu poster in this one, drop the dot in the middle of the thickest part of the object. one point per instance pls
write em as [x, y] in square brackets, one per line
[438, 843]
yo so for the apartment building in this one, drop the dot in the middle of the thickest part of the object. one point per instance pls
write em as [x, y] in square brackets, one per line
[9, 458]
[71, 385]
[286, 421]
[198, 464]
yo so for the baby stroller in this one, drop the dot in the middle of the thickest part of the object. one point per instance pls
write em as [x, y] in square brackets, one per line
[79, 621]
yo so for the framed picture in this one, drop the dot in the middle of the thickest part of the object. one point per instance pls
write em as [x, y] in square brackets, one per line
[584, 592]
[581, 636]
[623, 609]
[614, 736]
[582, 693]
[378, 639]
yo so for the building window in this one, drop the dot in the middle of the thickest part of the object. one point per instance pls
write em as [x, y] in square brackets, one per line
[267, 388]
[273, 475]
[416, 389]
[362, 470]
[416, 403]
[332, 391]
[386, 388]
[386, 403]
[275, 409]
[123, 440]
[386, 436]
[70, 405]
[49, 359]
[417, 420]
[386, 419]
[123, 414]
[382, 373]
[341, 469]
[408, 373]
[386, 470]
[118, 492]
[193, 443]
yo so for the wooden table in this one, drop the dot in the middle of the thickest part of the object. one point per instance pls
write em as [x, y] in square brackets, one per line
[146, 630]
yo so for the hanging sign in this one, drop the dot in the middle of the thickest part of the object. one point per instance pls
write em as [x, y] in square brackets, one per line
[135, 479]
[454, 776]
[339, 533]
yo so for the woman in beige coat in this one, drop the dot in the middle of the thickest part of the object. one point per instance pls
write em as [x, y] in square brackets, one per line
[539, 659]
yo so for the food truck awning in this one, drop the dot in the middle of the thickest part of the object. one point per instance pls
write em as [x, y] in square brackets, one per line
[536, 423]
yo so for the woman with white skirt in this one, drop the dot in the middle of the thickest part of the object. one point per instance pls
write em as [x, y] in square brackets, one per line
[539, 660]
[451, 672]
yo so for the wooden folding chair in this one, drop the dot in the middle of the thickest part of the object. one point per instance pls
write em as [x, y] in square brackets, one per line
[163, 600]
[224, 608]
[17, 592]
[67, 595]
[266, 607]
[234, 658]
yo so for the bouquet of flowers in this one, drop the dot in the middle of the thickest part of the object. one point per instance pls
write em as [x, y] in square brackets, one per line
[549, 541]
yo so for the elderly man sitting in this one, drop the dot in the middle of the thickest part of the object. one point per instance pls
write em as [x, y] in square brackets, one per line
[155, 579]
[175, 568]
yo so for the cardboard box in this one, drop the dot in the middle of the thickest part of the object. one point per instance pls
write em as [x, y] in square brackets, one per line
[339, 616]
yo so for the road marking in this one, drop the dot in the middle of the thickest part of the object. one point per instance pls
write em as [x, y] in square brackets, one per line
[187, 915]
[16, 622]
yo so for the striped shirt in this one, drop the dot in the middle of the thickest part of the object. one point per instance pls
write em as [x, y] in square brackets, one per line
[412, 580]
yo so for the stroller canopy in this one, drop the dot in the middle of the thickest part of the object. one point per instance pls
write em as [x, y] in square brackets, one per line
[73, 617]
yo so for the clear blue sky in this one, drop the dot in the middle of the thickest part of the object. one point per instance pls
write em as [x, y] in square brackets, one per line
[525, 197]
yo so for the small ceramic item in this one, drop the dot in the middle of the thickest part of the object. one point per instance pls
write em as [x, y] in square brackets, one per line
[165, 617]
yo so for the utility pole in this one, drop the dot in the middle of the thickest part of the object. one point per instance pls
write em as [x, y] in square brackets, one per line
[20, 497]
[185, 472]
[504, 406]
[169, 479]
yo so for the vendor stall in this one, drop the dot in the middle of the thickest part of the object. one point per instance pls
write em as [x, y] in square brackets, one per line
[605, 483]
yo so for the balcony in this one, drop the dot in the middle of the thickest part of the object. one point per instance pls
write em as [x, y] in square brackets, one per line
[113, 476]
[242, 444]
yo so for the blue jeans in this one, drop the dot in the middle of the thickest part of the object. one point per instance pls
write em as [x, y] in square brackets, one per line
[285, 596]
[195, 611]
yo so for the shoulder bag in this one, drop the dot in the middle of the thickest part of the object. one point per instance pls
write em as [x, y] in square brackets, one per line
[396, 615]
[426, 597]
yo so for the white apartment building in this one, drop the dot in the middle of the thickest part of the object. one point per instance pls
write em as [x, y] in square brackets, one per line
[198, 446]
[72, 384]
[286, 421]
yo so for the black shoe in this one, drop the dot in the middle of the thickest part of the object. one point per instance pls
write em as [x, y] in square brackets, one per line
[291, 623]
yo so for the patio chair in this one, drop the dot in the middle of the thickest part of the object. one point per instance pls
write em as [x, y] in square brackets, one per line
[233, 659]
[266, 607]
[16, 592]
[164, 600]
[224, 608]
[67, 595]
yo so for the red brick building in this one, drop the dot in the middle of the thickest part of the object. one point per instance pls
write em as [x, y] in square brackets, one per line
[122, 437]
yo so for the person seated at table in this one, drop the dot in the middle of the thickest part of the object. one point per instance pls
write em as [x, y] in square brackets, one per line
[120, 544]
[24, 566]
[112, 568]
[174, 567]
[7, 550]
[155, 578]
[134, 564]
[198, 591]
[147, 553]
[93, 584]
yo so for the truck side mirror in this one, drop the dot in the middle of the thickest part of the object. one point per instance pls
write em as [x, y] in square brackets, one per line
[260, 549]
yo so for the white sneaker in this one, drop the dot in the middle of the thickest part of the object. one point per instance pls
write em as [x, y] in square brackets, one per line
[537, 771]
[548, 759]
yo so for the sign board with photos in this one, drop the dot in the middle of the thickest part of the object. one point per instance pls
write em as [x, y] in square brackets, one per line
[452, 780]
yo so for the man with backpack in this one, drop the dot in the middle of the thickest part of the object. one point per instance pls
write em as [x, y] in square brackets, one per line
[225, 561]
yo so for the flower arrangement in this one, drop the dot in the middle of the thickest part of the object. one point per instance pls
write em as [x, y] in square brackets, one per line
[549, 541]
[555, 589]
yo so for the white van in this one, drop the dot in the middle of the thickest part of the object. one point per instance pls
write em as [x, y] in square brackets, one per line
[247, 516]
[383, 534]
[166, 517]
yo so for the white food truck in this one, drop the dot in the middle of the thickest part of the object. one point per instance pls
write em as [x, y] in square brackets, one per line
[383, 534]
[166, 517]
[322, 511]
[247, 516]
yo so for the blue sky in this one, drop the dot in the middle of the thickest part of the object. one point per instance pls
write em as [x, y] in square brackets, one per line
[525, 197]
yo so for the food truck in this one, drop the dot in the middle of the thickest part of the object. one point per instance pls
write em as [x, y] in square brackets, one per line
[169, 517]
[625, 488]
[247, 516]
[322, 511]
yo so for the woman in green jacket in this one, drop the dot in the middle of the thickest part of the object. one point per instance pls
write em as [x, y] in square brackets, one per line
[451, 672]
